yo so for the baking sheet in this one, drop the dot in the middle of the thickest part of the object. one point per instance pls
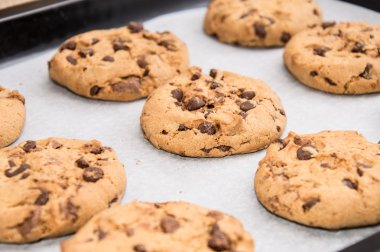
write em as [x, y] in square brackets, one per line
[226, 183]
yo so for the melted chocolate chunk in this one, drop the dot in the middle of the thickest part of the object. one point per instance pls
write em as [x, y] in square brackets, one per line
[366, 73]
[285, 37]
[224, 148]
[182, 127]
[196, 76]
[260, 30]
[43, 198]
[321, 50]
[29, 146]
[92, 174]
[214, 85]
[303, 154]
[71, 60]
[139, 248]
[95, 90]
[309, 204]
[29, 223]
[119, 44]
[177, 94]
[207, 128]
[141, 62]
[249, 95]
[358, 47]
[313, 73]
[213, 73]
[169, 224]
[328, 24]
[168, 44]
[70, 45]
[81, 163]
[97, 150]
[131, 83]
[108, 58]
[246, 106]
[330, 82]
[23, 167]
[219, 241]
[95, 41]
[195, 103]
[83, 53]
[350, 184]
[135, 27]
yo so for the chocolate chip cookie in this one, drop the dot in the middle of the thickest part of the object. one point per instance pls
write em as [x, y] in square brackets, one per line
[118, 64]
[341, 58]
[52, 187]
[171, 226]
[329, 180]
[12, 116]
[260, 22]
[212, 115]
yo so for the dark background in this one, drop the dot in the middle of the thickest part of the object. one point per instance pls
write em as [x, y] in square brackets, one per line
[45, 23]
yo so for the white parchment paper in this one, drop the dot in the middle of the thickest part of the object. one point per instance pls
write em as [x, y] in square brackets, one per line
[226, 183]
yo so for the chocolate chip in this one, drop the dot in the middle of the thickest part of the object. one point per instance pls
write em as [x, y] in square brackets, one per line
[249, 95]
[321, 50]
[11, 163]
[330, 82]
[366, 73]
[206, 150]
[246, 106]
[328, 24]
[95, 90]
[119, 44]
[81, 163]
[131, 83]
[281, 142]
[195, 103]
[260, 30]
[70, 45]
[219, 241]
[139, 248]
[94, 41]
[313, 73]
[97, 150]
[108, 59]
[207, 128]
[182, 127]
[315, 12]
[29, 223]
[177, 94]
[43, 198]
[359, 172]
[350, 184]
[135, 27]
[164, 132]
[92, 174]
[243, 114]
[101, 234]
[285, 37]
[358, 47]
[56, 145]
[214, 85]
[70, 211]
[278, 128]
[217, 215]
[168, 44]
[213, 73]
[169, 225]
[71, 60]
[29, 146]
[141, 62]
[196, 76]
[224, 148]
[309, 204]
[303, 154]
[83, 53]
[23, 167]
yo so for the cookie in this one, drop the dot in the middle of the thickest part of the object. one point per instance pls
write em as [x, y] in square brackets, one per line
[121, 64]
[340, 58]
[52, 187]
[171, 226]
[328, 180]
[260, 22]
[12, 116]
[212, 115]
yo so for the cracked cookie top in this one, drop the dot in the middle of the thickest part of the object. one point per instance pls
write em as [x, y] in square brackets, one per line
[52, 187]
[12, 116]
[329, 179]
[342, 58]
[260, 22]
[212, 115]
[120, 64]
[171, 226]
